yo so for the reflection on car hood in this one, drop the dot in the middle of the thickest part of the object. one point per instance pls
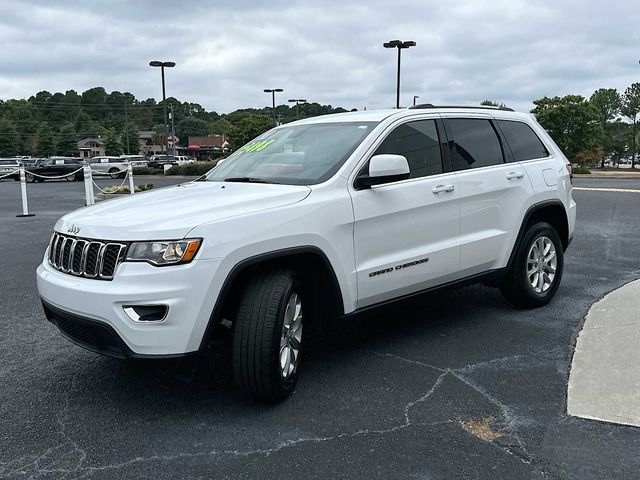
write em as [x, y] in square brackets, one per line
[170, 213]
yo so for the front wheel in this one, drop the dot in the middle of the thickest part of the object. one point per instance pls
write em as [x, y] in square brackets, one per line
[114, 173]
[535, 273]
[267, 339]
[29, 177]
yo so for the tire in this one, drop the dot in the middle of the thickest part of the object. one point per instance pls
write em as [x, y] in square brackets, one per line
[528, 268]
[29, 178]
[79, 177]
[261, 339]
[70, 178]
[114, 173]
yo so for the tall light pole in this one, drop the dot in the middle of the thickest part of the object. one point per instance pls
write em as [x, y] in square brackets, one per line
[273, 91]
[414, 99]
[298, 101]
[162, 65]
[399, 45]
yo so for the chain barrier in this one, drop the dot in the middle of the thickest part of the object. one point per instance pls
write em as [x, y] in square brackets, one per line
[88, 184]
[9, 174]
[66, 175]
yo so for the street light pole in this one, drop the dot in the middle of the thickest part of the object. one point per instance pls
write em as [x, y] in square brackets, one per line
[162, 65]
[414, 99]
[273, 91]
[399, 45]
[298, 101]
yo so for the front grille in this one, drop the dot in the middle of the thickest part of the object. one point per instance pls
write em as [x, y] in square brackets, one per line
[84, 257]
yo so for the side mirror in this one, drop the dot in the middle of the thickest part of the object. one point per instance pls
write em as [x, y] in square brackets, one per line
[384, 168]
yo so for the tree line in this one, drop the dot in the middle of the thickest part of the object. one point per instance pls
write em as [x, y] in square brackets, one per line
[590, 131]
[604, 126]
[49, 124]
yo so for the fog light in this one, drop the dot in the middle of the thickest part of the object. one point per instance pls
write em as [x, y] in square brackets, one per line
[146, 313]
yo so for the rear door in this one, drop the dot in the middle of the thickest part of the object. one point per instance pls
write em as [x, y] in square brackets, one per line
[493, 192]
[406, 233]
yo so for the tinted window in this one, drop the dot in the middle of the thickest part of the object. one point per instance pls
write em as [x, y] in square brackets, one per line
[115, 160]
[476, 143]
[418, 142]
[523, 141]
[71, 162]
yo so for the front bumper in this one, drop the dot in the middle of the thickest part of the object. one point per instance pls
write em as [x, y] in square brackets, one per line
[90, 312]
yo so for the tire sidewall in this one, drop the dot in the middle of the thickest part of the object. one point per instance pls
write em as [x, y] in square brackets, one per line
[287, 384]
[536, 231]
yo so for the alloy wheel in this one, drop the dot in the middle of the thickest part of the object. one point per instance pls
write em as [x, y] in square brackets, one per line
[291, 336]
[541, 264]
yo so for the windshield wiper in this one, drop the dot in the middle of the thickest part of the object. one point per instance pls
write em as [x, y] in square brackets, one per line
[248, 180]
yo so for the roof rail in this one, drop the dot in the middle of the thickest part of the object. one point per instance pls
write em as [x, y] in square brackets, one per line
[475, 107]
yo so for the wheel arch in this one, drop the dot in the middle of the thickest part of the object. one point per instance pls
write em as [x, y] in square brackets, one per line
[550, 211]
[309, 260]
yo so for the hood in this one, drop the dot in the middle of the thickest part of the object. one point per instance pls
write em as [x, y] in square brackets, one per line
[170, 213]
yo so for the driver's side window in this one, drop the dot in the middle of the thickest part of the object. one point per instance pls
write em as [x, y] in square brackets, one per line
[418, 142]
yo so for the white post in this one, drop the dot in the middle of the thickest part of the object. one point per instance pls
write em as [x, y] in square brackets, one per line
[23, 188]
[132, 187]
[88, 185]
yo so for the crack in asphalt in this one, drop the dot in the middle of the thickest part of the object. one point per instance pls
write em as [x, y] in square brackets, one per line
[37, 466]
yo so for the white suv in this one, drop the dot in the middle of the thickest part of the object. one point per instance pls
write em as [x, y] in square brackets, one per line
[324, 217]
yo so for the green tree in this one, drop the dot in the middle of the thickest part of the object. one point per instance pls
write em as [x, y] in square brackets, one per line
[130, 140]
[112, 145]
[607, 103]
[248, 128]
[571, 121]
[67, 140]
[9, 139]
[191, 126]
[631, 110]
[489, 103]
[221, 127]
[46, 141]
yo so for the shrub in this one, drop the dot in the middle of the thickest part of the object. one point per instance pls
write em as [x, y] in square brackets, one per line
[146, 171]
[581, 170]
[191, 169]
[125, 188]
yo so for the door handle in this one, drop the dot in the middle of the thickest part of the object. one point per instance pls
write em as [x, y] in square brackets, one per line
[443, 188]
[513, 175]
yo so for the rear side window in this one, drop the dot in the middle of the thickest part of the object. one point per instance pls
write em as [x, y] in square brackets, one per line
[523, 141]
[418, 142]
[476, 143]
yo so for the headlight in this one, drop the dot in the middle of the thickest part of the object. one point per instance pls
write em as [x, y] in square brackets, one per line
[164, 253]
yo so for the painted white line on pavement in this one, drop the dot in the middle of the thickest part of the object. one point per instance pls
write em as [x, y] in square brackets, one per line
[603, 189]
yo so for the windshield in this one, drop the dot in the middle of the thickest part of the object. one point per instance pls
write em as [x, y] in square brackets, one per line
[295, 155]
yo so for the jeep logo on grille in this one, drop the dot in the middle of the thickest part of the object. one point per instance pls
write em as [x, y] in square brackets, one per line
[73, 229]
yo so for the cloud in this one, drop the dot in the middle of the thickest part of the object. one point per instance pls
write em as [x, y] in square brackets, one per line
[328, 51]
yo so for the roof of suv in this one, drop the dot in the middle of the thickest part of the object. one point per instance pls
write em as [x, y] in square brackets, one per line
[379, 115]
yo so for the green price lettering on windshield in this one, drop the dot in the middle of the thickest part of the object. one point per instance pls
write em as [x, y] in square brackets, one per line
[257, 146]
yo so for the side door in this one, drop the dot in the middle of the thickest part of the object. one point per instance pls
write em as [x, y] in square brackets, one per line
[406, 233]
[493, 192]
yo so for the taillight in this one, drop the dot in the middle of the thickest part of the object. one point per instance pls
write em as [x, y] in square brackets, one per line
[570, 170]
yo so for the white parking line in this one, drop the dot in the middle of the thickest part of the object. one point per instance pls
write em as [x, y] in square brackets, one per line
[602, 189]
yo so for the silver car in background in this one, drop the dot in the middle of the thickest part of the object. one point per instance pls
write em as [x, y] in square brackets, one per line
[115, 167]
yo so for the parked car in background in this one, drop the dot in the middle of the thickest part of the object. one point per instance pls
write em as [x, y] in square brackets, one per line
[135, 160]
[70, 168]
[158, 161]
[113, 166]
[183, 160]
[8, 165]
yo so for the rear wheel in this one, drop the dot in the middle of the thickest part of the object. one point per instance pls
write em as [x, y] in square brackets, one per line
[536, 270]
[114, 173]
[69, 178]
[267, 339]
[29, 177]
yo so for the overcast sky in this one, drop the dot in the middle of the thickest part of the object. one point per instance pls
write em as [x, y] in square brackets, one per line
[327, 51]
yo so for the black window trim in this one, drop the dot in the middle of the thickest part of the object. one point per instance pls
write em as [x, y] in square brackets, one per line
[445, 159]
[506, 154]
[549, 154]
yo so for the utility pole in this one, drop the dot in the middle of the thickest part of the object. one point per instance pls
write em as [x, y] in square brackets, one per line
[297, 101]
[173, 134]
[126, 126]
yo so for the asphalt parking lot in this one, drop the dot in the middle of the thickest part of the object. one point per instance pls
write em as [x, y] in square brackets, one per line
[456, 385]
